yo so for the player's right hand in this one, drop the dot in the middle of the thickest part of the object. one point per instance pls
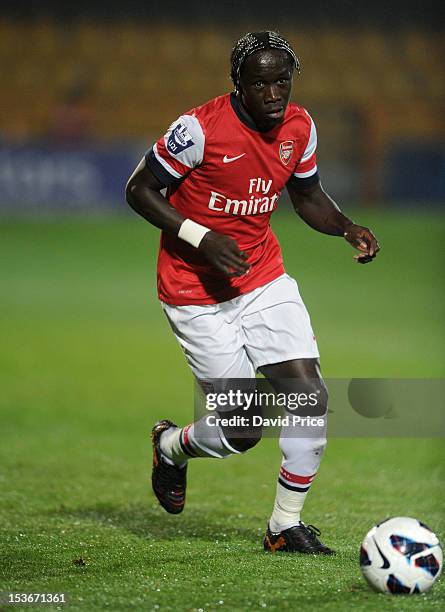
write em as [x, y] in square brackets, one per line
[224, 254]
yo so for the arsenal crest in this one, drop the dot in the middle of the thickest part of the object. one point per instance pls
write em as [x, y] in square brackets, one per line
[286, 150]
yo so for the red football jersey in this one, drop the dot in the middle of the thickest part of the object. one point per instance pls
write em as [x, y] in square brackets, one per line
[227, 175]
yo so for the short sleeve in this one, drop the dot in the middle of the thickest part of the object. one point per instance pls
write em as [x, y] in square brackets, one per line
[306, 170]
[180, 150]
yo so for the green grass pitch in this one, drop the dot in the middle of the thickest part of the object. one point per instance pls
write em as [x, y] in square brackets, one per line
[88, 363]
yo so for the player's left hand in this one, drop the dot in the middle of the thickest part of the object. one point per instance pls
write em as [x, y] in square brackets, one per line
[363, 239]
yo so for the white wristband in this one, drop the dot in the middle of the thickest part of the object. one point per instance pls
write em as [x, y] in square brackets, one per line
[192, 232]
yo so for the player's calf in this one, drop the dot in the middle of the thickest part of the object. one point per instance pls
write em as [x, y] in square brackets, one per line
[174, 446]
[244, 436]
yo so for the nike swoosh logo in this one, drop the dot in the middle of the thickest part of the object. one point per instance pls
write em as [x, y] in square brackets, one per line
[228, 159]
[384, 559]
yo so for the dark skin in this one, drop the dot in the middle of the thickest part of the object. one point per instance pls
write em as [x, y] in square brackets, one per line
[264, 91]
[143, 195]
[265, 87]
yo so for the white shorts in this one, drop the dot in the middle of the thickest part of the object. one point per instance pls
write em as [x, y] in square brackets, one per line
[233, 339]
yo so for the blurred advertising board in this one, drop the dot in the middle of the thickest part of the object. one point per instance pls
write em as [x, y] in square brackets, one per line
[40, 178]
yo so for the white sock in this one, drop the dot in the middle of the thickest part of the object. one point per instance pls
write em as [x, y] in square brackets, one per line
[195, 440]
[171, 446]
[287, 509]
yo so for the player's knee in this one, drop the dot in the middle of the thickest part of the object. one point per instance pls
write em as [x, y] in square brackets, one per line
[315, 396]
[241, 440]
[320, 407]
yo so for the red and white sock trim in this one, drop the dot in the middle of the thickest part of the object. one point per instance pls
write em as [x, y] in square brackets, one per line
[295, 482]
[184, 441]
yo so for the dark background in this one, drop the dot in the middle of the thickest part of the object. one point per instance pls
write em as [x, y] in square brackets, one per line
[87, 86]
[314, 14]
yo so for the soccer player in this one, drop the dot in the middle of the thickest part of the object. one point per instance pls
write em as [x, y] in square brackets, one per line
[221, 279]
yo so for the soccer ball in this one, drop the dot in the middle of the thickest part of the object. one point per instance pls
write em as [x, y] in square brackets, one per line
[401, 555]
